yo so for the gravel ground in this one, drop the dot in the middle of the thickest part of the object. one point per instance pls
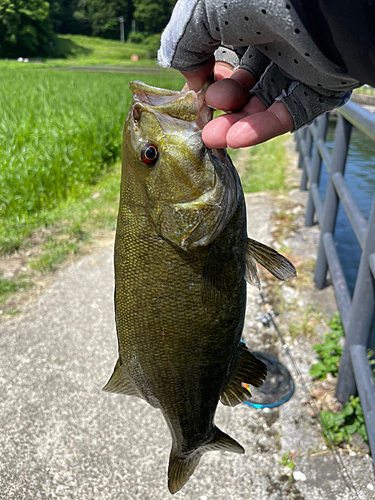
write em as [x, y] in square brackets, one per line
[62, 438]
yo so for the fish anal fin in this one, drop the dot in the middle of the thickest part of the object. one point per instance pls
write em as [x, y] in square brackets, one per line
[273, 261]
[248, 370]
[182, 466]
[119, 383]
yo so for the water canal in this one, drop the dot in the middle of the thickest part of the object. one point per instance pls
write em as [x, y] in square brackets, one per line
[360, 176]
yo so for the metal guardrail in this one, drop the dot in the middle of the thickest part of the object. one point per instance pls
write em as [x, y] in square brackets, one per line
[357, 313]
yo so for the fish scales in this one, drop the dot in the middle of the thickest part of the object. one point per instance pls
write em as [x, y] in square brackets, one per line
[181, 254]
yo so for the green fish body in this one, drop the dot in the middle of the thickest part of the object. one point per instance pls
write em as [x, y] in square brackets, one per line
[181, 257]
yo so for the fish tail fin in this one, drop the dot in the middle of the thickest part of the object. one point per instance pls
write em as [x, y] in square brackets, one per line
[182, 466]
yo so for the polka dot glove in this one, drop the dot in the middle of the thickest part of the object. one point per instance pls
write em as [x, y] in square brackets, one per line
[267, 39]
[274, 85]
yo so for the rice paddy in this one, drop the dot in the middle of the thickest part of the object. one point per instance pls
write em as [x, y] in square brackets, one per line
[60, 131]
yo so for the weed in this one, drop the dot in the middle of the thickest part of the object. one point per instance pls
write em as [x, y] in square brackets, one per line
[286, 460]
[306, 323]
[305, 273]
[10, 286]
[284, 224]
[340, 426]
[55, 251]
[329, 351]
[13, 312]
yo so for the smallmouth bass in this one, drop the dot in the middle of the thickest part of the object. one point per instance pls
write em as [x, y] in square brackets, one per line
[181, 259]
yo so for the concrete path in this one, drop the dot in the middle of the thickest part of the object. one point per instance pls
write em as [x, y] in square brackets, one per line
[62, 438]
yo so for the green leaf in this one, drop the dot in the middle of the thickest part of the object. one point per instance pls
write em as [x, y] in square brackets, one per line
[363, 432]
[348, 410]
[351, 429]
[318, 370]
[328, 418]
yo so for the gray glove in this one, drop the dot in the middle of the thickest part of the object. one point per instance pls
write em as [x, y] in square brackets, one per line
[269, 40]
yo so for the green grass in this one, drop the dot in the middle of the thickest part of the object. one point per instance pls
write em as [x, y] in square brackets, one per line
[265, 170]
[9, 286]
[59, 133]
[66, 230]
[78, 50]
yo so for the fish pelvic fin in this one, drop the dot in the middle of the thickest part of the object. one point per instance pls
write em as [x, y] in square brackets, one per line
[273, 261]
[182, 466]
[119, 383]
[248, 370]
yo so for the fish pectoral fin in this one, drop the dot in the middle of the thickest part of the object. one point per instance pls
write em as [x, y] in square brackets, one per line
[252, 276]
[181, 467]
[248, 370]
[120, 383]
[273, 261]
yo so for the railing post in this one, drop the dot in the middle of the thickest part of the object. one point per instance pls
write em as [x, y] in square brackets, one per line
[366, 389]
[361, 314]
[340, 151]
[315, 168]
[305, 154]
[300, 134]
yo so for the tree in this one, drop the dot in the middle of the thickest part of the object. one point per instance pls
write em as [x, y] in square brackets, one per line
[91, 17]
[69, 16]
[104, 14]
[25, 29]
[152, 16]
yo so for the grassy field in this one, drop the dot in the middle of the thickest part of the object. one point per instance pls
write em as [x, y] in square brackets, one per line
[77, 50]
[59, 132]
[265, 166]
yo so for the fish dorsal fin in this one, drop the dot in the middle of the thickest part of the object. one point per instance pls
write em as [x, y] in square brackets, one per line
[182, 466]
[120, 383]
[273, 261]
[248, 370]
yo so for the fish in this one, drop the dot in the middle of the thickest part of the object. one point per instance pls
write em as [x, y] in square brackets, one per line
[182, 257]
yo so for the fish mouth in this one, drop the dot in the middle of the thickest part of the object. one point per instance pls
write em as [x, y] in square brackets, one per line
[186, 105]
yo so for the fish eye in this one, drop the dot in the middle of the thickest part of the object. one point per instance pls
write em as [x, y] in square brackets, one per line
[149, 154]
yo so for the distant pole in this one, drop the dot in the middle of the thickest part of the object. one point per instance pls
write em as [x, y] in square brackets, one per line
[122, 36]
[133, 25]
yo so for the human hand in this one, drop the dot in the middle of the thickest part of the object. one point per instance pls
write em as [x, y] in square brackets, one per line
[251, 122]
